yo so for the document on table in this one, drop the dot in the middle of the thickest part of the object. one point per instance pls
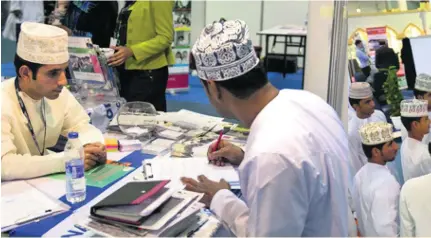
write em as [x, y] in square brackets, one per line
[101, 175]
[22, 203]
[175, 168]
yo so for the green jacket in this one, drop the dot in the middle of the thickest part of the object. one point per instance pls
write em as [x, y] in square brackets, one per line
[150, 33]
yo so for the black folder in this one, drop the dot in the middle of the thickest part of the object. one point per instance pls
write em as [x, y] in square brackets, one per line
[126, 204]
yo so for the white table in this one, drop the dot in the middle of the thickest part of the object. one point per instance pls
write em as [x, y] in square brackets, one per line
[289, 32]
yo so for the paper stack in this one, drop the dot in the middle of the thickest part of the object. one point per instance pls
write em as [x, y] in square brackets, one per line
[129, 145]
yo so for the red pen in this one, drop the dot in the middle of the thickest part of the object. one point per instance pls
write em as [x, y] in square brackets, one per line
[215, 147]
[218, 141]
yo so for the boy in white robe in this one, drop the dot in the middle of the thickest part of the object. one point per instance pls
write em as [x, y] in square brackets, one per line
[415, 155]
[376, 191]
[37, 109]
[361, 99]
[422, 90]
[415, 209]
[293, 172]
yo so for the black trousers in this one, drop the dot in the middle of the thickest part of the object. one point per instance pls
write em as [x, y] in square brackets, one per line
[18, 30]
[145, 86]
[366, 71]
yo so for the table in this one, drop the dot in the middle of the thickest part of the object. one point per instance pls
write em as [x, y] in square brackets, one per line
[288, 32]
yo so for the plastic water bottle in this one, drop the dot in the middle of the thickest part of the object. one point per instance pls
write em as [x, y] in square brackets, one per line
[75, 177]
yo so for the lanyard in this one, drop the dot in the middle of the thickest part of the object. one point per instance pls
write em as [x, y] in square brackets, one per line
[29, 125]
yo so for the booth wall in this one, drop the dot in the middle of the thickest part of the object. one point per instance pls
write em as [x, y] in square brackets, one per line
[235, 10]
[260, 15]
[396, 21]
[281, 13]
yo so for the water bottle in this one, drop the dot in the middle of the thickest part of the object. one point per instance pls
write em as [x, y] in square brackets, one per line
[75, 177]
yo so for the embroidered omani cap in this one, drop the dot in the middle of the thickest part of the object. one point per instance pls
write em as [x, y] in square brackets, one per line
[360, 90]
[42, 44]
[414, 108]
[423, 82]
[376, 133]
[224, 51]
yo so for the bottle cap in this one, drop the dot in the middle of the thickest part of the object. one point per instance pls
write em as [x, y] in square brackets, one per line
[72, 135]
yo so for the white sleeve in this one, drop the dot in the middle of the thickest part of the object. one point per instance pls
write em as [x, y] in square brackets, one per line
[77, 120]
[276, 197]
[424, 164]
[17, 166]
[407, 226]
[384, 209]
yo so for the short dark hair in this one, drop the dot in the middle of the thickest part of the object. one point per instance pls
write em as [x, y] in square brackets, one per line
[407, 122]
[368, 149]
[245, 85]
[354, 101]
[382, 42]
[357, 42]
[418, 93]
[19, 62]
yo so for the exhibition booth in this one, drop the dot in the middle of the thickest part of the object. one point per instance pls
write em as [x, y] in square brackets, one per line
[308, 46]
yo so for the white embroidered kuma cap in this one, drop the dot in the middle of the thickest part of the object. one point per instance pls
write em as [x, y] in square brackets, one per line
[360, 90]
[376, 133]
[42, 44]
[224, 51]
[423, 82]
[414, 108]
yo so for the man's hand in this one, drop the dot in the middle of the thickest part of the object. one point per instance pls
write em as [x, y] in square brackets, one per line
[205, 186]
[94, 154]
[226, 151]
[121, 55]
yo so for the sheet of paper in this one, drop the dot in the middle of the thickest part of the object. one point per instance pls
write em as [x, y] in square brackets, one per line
[175, 168]
[21, 202]
[101, 175]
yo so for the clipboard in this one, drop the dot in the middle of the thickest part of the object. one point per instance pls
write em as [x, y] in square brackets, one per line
[19, 197]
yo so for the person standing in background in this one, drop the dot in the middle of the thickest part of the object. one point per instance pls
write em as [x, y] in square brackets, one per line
[415, 155]
[144, 33]
[376, 191]
[386, 57]
[364, 60]
[361, 99]
[22, 11]
[95, 17]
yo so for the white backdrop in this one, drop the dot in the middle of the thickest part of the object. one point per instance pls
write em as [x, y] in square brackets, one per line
[421, 49]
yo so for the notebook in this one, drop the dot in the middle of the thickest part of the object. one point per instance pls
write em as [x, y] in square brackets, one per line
[132, 202]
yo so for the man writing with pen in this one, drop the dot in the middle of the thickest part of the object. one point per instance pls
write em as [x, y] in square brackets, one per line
[294, 168]
[37, 109]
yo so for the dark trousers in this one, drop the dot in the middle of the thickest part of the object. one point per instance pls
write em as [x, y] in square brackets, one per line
[366, 71]
[145, 86]
[18, 30]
